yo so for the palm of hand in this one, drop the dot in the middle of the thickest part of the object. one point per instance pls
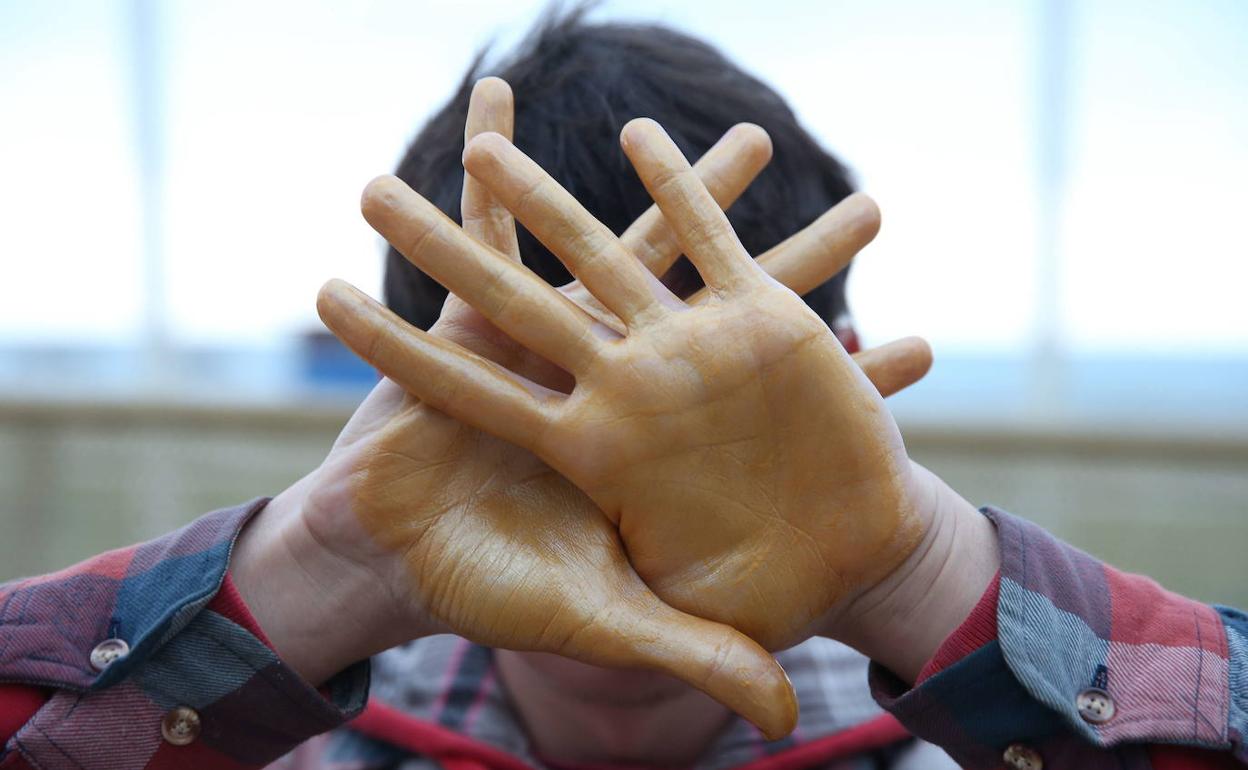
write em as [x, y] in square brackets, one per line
[434, 490]
[744, 472]
[502, 548]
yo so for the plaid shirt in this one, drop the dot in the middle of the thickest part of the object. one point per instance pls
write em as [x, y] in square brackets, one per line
[1057, 640]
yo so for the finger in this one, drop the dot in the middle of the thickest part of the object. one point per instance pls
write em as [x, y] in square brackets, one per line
[897, 365]
[508, 294]
[472, 389]
[715, 658]
[489, 109]
[807, 259]
[700, 226]
[823, 248]
[726, 169]
[587, 247]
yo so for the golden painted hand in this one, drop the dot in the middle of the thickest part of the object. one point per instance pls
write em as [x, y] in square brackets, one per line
[751, 468]
[495, 545]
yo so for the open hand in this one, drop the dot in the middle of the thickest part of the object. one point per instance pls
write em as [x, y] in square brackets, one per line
[752, 470]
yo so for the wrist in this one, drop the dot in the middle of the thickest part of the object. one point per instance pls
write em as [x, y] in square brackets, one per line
[320, 610]
[903, 620]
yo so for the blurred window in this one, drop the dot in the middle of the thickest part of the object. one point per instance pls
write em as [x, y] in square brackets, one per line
[1154, 254]
[1059, 176]
[70, 212]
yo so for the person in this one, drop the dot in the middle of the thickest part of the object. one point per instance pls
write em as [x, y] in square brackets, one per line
[636, 539]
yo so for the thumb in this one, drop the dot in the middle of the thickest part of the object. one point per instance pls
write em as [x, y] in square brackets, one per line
[643, 632]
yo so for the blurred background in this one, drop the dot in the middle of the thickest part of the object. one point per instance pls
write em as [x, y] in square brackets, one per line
[1063, 187]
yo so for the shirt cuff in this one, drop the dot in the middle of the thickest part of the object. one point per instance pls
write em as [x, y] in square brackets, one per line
[194, 651]
[1071, 625]
[1069, 636]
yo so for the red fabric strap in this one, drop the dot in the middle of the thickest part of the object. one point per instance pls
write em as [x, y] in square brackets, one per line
[452, 749]
[458, 752]
[876, 733]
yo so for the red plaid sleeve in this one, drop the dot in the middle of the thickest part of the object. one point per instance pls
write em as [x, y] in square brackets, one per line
[1072, 663]
[191, 681]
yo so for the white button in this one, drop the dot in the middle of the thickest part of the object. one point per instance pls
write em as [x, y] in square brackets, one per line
[1020, 757]
[1095, 706]
[108, 651]
[180, 726]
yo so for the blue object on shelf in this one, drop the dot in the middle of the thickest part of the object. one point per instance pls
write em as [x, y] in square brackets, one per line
[326, 361]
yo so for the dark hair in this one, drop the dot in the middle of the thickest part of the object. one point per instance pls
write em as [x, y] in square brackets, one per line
[576, 84]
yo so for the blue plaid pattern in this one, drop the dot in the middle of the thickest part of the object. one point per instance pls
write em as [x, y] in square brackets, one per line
[1066, 623]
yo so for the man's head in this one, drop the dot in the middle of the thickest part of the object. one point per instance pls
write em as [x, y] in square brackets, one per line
[576, 84]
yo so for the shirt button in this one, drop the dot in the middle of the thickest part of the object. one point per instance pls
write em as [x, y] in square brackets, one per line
[1095, 706]
[1020, 757]
[108, 651]
[180, 726]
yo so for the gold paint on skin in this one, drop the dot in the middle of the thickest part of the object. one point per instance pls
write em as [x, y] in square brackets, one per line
[753, 473]
[509, 554]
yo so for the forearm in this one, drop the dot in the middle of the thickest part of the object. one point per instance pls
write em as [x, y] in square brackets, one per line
[902, 621]
[320, 611]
